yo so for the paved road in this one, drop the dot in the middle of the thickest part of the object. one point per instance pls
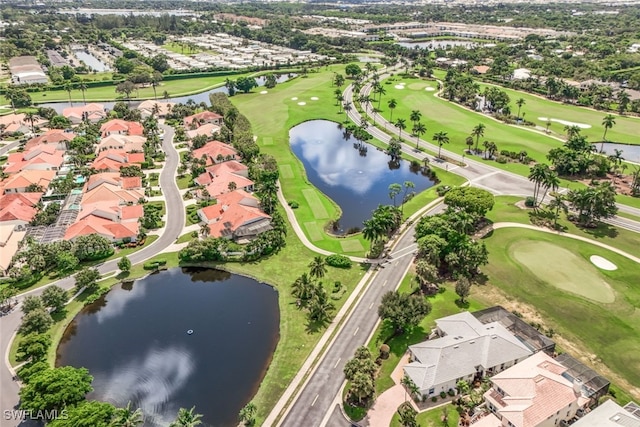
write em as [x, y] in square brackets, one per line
[316, 397]
[174, 225]
[8, 147]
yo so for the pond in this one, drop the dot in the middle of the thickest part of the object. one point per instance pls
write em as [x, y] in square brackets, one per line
[91, 61]
[197, 98]
[629, 152]
[355, 176]
[135, 343]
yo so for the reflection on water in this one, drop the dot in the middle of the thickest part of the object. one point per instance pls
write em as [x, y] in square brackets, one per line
[356, 176]
[629, 152]
[134, 342]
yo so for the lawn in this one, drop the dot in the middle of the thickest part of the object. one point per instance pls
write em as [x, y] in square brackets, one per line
[432, 417]
[625, 130]
[272, 129]
[604, 335]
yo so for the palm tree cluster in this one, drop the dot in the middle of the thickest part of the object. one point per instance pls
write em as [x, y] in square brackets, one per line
[361, 371]
[129, 417]
[310, 293]
[384, 220]
[594, 203]
[544, 179]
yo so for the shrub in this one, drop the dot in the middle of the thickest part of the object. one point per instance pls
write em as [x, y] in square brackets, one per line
[443, 394]
[161, 261]
[150, 265]
[501, 159]
[529, 202]
[338, 261]
[451, 392]
[434, 399]
[294, 204]
[441, 190]
[384, 351]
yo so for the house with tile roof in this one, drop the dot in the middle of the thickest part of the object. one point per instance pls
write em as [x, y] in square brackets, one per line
[113, 160]
[147, 108]
[126, 143]
[536, 392]
[44, 157]
[10, 238]
[21, 181]
[610, 414]
[113, 178]
[121, 127]
[199, 119]
[208, 130]
[113, 231]
[215, 152]
[462, 348]
[93, 113]
[114, 193]
[226, 182]
[18, 208]
[18, 123]
[236, 216]
[55, 137]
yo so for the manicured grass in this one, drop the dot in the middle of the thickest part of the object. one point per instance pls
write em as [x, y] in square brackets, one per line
[185, 238]
[119, 253]
[625, 129]
[432, 417]
[185, 182]
[443, 304]
[177, 48]
[606, 336]
[505, 210]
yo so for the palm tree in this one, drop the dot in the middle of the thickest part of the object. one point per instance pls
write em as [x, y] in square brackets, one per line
[556, 205]
[407, 185]
[372, 229]
[392, 104]
[394, 190]
[186, 418]
[301, 288]
[415, 116]
[347, 108]
[126, 417]
[469, 142]
[247, 414]
[83, 88]
[68, 87]
[478, 131]
[317, 267]
[548, 125]
[441, 138]
[380, 90]
[320, 308]
[520, 102]
[418, 130]
[31, 118]
[608, 123]
[572, 131]
[400, 124]
[409, 386]
[156, 78]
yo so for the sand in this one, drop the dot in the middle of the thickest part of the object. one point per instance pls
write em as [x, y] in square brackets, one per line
[314, 98]
[295, 98]
[602, 263]
[399, 86]
[302, 103]
[429, 89]
[566, 122]
[262, 92]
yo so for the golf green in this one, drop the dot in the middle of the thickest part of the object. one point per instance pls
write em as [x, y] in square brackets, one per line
[563, 269]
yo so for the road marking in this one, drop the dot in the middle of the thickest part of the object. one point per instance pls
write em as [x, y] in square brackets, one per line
[314, 400]
[337, 361]
[357, 329]
[370, 306]
[385, 282]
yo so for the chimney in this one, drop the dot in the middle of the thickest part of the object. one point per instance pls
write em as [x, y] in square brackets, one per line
[577, 386]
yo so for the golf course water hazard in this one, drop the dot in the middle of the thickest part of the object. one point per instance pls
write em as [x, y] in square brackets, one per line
[356, 177]
[135, 343]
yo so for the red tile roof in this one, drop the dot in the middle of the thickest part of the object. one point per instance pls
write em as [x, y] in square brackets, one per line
[53, 136]
[96, 225]
[19, 206]
[121, 126]
[225, 217]
[25, 178]
[204, 117]
[214, 149]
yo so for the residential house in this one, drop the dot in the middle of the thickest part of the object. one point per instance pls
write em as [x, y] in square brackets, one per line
[206, 130]
[215, 152]
[10, 238]
[521, 74]
[126, 143]
[462, 348]
[17, 123]
[151, 107]
[536, 392]
[198, 119]
[55, 137]
[113, 160]
[113, 178]
[480, 69]
[121, 127]
[113, 231]
[18, 208]
[93, 113]
[114, 193]
[44, 157]
[610, 414]
[235, 216]
[218, 178]
[21, 181]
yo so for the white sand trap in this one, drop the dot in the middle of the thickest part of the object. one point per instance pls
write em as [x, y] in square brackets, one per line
[602, 263]
[262, 92]
[302, 103]
[566, 122]
[429, 89]
[295, 98]
[314, 98]
[399, 86]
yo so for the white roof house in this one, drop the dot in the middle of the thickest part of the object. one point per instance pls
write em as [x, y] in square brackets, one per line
[521, 74]
[609, 414]
[465, 349]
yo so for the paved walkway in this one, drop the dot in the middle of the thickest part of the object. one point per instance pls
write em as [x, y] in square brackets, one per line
[570, 236]
[386, 405]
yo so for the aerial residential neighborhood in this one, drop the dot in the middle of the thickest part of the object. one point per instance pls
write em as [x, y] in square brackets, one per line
[374, 213]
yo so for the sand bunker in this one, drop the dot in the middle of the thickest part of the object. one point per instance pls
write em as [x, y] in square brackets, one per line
[399, 86]
[602, 263]
[295, 98]
[429, 89]
[314, 98]
[262, 92]
[565, 122]
[302, 103]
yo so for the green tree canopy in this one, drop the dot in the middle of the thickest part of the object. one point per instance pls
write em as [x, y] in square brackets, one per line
[470, 199]
[403, 311]
[55, 388]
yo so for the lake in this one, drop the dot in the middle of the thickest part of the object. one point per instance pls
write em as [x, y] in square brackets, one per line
[134, 342]
[91, 61]
[197, 98]
[357, 180]
[629, 152]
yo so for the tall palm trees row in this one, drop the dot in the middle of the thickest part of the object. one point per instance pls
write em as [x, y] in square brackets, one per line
[128, 417]
[544, 179]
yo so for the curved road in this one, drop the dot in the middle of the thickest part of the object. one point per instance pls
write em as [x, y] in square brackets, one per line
[174, 224]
